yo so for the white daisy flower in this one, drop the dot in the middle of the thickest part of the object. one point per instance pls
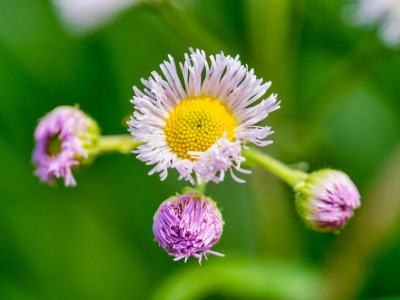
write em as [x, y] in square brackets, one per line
[384, 12]
[199, 127]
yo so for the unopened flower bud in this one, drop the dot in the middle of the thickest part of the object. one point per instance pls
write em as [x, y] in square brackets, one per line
[188, 225]
[326, 200]
[65, 139]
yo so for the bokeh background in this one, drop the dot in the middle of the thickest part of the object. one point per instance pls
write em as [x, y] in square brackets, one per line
[340, 92]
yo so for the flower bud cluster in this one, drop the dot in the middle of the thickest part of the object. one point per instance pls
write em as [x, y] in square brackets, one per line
[200, 127]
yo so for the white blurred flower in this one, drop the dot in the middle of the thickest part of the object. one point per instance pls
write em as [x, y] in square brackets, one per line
[385, 13]
[82, 16]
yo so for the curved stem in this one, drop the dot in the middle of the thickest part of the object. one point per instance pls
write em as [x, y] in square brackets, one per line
[117, 143]
[290, 176]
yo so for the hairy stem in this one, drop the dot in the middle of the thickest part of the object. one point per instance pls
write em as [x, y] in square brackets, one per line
[117, 143]
[290, 176]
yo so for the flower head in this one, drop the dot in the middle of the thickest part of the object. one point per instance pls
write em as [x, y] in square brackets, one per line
[188, 225]
[200, 127]
[64, 139]
[326, 200]
[384, 12]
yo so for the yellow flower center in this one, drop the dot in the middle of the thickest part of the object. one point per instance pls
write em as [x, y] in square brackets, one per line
[196, 123]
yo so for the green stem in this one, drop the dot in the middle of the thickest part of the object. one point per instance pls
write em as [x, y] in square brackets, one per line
[197, 189]
[290, 176]
[201, 187]
[117, 143]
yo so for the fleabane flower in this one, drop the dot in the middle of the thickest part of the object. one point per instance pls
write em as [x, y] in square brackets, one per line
[386, 13]
[65, 138]
[188, 225]
[326, 200]
[199, 126]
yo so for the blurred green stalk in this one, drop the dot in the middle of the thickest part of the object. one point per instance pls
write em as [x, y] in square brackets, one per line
[187, 27]
[273, 42]
[272, 45]
[240, 279]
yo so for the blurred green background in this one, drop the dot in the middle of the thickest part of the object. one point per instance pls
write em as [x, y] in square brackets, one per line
[340, 92]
